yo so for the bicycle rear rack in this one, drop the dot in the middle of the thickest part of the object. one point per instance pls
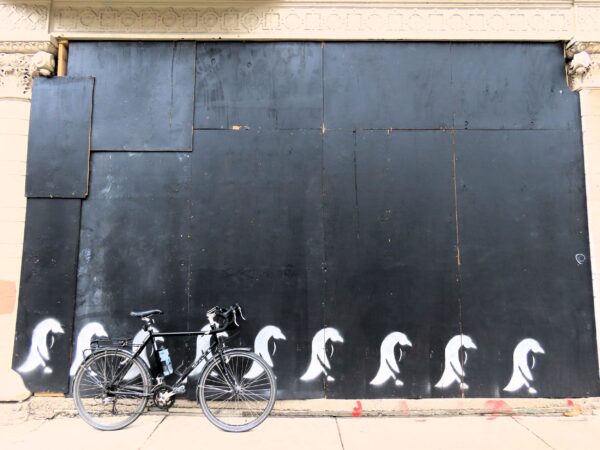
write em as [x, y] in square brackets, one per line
[105, 343]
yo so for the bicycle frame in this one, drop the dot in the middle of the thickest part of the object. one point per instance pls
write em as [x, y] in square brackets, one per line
[214, 349]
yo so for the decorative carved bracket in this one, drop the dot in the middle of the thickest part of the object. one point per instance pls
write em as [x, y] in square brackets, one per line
[17, 70]
[583, 65]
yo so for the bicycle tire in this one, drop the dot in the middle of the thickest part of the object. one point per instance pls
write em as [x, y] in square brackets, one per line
[242, 408]
[96, 395]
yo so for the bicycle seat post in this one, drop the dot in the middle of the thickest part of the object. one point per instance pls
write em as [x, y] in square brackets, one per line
[147, 322]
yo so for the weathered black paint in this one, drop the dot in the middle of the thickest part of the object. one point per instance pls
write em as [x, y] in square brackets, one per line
[47, 290]
[503, 89]
[391, 257]
[421, 207]
[143, 99]
[259, 85]
[59, 142]
[523, 191]
[387, 85]
[257, 238]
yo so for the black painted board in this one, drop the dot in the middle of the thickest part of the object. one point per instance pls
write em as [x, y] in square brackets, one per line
[47, 294]
[387, 85]
[275, 85]
[512, 86]
[144, 94]
[59, 139]
[525, 272]
[391, 262]
[258, 240]
[135, 246]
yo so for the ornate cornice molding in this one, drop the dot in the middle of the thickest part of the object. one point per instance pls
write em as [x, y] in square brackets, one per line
[27, 46]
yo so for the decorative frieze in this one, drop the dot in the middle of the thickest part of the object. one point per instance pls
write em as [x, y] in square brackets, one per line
[24, 16]
[383, 20]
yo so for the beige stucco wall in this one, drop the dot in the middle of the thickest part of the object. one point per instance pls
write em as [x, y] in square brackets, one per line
[590, 120]
[29, 26]
[14, 127]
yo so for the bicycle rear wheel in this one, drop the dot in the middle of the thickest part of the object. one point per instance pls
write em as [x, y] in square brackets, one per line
[232, 401]
[111, 389]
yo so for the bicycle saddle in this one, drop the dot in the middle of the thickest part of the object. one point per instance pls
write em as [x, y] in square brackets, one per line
[148, 313]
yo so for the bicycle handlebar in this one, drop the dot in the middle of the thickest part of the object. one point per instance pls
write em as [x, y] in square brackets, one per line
[227, 316]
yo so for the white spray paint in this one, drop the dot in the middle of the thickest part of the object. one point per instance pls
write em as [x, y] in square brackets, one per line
[202, 347]
[319, 362]
[261, 348]
[39, 354]
[84, 339]
[388, 366]
[138, 340]
[453, 370]
[522, 375]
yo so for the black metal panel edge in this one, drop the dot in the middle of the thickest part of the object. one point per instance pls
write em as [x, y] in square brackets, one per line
[43, 334]
[59, 138]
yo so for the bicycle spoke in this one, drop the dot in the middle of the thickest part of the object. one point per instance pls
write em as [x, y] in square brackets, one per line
[230, 401]
[103, 397]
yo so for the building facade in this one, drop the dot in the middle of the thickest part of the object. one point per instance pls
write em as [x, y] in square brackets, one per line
[403, 196]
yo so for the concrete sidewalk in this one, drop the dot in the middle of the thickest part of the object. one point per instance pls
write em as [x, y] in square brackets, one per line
[160, 431]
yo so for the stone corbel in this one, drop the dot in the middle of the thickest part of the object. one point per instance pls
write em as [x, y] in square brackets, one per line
[583, 65]
[20, 63]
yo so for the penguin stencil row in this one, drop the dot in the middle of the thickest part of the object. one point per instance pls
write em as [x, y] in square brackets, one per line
[45, 332]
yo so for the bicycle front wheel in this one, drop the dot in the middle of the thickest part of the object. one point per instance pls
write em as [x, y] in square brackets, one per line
[111, 389]
[234, 397]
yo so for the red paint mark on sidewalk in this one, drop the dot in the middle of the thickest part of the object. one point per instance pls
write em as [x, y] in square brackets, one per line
[497, 407]
[357, 410]
[574, 409]
[403, 406]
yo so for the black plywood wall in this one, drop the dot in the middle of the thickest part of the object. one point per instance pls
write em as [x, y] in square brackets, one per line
[398, 219]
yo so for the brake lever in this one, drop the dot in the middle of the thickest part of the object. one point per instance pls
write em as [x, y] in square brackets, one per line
[235, 318]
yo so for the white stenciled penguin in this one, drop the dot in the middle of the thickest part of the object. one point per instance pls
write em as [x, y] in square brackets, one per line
[261, 348]
[453, 370]
[319, 362]
[39, 354]
[203, 347]
[138, 340]
[84, 339]
[522, 375]
[388, 366]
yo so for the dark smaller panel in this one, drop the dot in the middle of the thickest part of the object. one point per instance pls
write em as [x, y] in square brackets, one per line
[47, 294]
[259, 85]
[144, 95]
[512, 86]
[59, 143]
[387, 85]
